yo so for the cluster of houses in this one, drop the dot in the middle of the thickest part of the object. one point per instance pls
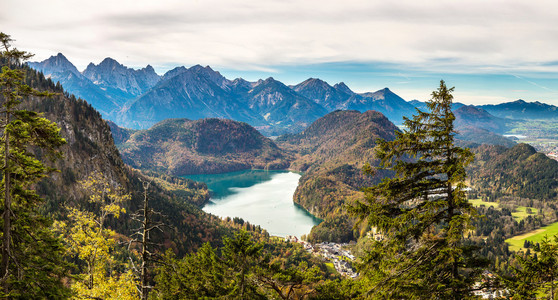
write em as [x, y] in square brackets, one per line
[342, 258]
[333, 252]
[487, 292]
[553, 155]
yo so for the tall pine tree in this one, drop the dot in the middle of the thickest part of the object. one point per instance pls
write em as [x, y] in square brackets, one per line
[422, 212]
[31, 257]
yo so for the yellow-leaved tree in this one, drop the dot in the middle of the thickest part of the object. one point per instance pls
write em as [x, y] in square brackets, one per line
[89, 241]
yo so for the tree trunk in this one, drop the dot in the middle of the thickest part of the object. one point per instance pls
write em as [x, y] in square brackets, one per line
[7, 208]
[144, 253]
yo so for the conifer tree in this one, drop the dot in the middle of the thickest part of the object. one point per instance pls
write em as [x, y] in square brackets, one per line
[31, 263]
[421, 213]
[537, 274]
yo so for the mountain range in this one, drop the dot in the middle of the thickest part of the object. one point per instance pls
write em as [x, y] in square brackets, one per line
[330, 152]
[138, 99]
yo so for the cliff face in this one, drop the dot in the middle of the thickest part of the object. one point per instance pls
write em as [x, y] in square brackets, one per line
[110, 74]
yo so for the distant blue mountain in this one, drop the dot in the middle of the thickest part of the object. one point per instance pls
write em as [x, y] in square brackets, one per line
[121, 82]
[523, 110]
[319, 91]
[140, 98]
[384, 101]
[194, 93]
[107, 86]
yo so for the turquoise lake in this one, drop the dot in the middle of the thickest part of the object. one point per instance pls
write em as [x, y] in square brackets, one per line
[260, 197]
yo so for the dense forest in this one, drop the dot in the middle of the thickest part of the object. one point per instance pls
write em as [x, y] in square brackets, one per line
[332, 153]
[182, 146]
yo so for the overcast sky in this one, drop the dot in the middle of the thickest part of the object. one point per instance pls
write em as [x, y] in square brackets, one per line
[491, 51]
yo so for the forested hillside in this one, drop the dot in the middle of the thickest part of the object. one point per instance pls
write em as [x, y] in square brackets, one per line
[332, 152]
[519, 171]
[97, 204]
[182, 146]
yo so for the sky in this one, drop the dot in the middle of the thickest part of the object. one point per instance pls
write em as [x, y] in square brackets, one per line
[491, 51]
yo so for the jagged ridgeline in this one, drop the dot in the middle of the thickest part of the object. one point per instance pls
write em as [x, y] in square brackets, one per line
[182, 146]
[90, 148]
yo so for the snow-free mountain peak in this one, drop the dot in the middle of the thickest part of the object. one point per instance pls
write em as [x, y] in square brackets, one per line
[212, 75]
[171, 73]
[322, 93]
[113, 76]
[55, 64]
[342, 87]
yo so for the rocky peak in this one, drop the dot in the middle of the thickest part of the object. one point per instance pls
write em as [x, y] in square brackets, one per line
[322, 93]
[342, 87]
[113, 75]
[171, 73]
[241, 86]
[380, 94]
[111, 63]
[55, 64]
[214, 76]
[315, 82]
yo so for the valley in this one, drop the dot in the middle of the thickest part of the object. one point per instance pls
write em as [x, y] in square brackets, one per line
[330, 146]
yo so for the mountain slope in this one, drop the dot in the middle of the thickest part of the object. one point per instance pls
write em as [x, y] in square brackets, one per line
[331, 98]
[182, 146]
[281, 106]
[385, 101]
[90, 149]
[121, 82]
[519, 171]
[470, 115]
[59, 69]
[470, 137]
[191, 94]
[332, 152]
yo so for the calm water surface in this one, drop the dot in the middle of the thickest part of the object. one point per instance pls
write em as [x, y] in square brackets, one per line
[260, 197]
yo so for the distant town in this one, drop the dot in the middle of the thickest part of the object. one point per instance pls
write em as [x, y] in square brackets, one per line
[335, 253]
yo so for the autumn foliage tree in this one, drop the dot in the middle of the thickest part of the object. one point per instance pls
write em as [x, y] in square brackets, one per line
[88, 240]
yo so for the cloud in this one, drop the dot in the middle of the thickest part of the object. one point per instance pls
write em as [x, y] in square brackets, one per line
[455, 36]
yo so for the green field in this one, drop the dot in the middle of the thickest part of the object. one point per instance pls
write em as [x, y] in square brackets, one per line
[479, 202]
[331, 268]
[535, 236]
[519, 214]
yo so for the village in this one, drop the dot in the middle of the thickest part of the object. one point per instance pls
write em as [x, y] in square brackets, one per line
[336, 253]
[342, 258]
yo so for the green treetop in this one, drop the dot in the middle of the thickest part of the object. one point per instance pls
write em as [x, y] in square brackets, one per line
[31, 257]
[421, 213]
